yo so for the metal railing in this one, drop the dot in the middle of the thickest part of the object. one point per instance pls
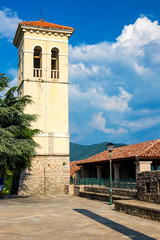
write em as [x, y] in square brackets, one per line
[120, 183]
[37, 72]
[55, 74]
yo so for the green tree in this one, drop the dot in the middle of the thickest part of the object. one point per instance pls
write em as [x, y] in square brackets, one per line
[17, 146]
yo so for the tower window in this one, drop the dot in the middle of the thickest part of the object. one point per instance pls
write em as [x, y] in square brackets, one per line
[37, 57]
[37, 62]
[54, 63]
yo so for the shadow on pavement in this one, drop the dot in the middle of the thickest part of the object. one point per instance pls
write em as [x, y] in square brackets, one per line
[132, 234]
[12, 196]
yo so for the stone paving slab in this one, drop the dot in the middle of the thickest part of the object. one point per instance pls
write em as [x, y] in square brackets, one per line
[69, 217]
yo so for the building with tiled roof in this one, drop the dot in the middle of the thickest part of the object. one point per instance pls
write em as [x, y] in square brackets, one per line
[127, 161]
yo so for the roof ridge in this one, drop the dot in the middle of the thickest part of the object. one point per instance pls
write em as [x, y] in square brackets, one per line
[145, 149]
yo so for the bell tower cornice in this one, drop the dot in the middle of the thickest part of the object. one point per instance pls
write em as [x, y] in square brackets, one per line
[41, 27]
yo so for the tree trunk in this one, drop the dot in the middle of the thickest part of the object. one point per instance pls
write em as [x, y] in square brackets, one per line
[15, 183]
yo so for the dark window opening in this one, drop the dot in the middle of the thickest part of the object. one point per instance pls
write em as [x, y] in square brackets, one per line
[53, 64]
[54, 59]
[36, 62]
[37, 57]
[54, 53]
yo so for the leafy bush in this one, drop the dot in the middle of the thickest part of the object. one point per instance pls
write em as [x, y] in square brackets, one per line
[7, 182]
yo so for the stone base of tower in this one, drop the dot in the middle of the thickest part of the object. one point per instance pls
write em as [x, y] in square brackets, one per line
[48, 175]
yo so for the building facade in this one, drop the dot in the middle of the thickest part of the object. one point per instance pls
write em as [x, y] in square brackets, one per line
[43, 74]
[127, 162]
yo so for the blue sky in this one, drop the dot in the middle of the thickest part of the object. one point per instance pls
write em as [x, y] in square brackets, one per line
[114, 64]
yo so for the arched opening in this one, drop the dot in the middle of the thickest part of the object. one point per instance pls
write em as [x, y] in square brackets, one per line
[37, 62]
[55, 63]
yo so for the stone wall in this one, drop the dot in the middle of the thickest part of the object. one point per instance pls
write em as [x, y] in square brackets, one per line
[48, 175]
[67, 189]
[75, 189]
[148, 185]
[137, 210]
[115, 191]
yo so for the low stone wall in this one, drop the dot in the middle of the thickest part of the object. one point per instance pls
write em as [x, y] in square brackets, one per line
[66, 189]
[148, 186]
[75, 189]
[138, 210]
[115, 191]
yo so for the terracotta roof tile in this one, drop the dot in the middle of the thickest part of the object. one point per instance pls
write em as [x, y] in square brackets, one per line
[144, 150]
[74, 168]
[45, 25]
[152, 151]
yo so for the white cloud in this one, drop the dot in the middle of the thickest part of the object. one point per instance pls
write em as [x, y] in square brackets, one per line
[98, 99]
[117, 79]
[142, 32]
[96, 52]
[142, 123]
[124, 95]
[8, 23]
[127, 51]
[99, 122]
[79, 70]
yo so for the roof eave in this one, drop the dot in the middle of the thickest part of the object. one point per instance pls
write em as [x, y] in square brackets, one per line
[107, 160]
[48, 29]
[147, 158]
[18, 32]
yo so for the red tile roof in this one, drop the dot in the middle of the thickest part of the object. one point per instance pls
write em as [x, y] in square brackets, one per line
[152, 151]
[45, 25]
[74, 168]
[39, 25]
[144, 150]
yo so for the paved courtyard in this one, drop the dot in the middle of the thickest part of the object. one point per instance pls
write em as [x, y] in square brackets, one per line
[70, 218]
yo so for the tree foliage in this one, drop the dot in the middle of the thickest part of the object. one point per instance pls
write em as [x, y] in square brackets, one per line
[17, 146]
[4, 79]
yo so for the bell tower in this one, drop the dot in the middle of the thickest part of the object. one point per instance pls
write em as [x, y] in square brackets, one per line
[43, 74]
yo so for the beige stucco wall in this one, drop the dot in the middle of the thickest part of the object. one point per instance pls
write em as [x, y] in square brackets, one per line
[46, 42]
[142, 166]
[50, 103]
[50, 96]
